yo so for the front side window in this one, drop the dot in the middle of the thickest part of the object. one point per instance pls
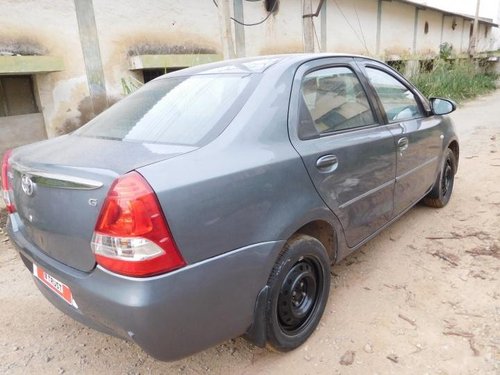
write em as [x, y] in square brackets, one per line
[398, 101]
[333, 100]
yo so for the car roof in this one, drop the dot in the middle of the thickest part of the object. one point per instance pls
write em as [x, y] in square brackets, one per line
[257, 64]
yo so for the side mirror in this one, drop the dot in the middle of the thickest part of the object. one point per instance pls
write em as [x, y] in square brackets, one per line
[442, 106]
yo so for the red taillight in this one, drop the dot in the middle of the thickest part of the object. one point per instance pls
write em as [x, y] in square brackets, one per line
[6, 188]
[132, 236]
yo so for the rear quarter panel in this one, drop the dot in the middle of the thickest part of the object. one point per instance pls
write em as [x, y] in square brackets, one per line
[246, 187]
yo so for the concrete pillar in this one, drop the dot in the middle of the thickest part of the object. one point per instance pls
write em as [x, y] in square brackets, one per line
[307, 25]
[91, 54]
[226, 31]
[415, 31]
[239, 30]
[379, 25]
[324, 31]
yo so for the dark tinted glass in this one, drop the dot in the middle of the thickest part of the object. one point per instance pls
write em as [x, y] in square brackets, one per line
[334, 100]
[178, 110]
[398, 101]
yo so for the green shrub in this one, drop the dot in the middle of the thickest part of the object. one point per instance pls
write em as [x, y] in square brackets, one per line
[445, 50]
[455, 79]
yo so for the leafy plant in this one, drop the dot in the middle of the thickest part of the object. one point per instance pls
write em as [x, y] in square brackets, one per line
[130, 84]
[445, 50]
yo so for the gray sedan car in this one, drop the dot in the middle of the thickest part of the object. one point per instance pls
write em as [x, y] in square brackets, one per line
[212, 202]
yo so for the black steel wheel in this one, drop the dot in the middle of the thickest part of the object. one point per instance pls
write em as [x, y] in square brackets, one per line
[447, 178]
[443, 187]
[299, 288]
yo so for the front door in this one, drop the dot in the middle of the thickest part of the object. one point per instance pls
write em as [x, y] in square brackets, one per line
[349, 154]
[418, 138]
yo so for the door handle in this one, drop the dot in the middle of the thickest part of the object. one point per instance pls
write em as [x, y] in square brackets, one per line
[403, 144]
[327, 163]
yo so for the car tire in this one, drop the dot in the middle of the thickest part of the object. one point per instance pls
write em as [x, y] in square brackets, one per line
[299, 286]
[440, 194]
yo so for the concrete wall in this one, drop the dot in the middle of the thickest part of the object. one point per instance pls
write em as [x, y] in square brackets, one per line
[127, 27]
[428, 44]
[397, 29]
[281, 33]
[20, 130]
[486, 38]
[351, 26]
[153, 26]
[495, 32]
[465, 37]
[452, 35]
[52, 30]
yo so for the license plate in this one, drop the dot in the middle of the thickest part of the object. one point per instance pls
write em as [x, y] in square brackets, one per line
[59, 288]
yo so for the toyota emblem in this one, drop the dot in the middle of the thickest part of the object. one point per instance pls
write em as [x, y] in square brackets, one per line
[27, 185]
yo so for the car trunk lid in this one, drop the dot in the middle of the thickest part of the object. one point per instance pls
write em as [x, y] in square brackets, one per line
[59, 187]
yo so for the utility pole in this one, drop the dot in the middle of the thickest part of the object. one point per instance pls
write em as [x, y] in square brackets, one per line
[226, 31]
[473, 41]
[308, 25]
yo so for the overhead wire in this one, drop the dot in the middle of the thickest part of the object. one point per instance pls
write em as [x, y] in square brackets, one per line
[360, 27]
[352, 28]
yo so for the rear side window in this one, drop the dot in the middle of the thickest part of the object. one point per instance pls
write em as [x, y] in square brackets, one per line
[398, 101]
[188, 110]
[332, 99]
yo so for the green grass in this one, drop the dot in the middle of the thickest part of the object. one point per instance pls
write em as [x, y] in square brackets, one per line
[459, 80]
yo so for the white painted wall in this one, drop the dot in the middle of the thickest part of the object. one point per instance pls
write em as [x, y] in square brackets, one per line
[465, 37]
[124, 24]
[55, 30]
[495, 32]
[398, 22]
[428, 44]
[351, 26]
[281, 33]
[453, 36]
[488, 9]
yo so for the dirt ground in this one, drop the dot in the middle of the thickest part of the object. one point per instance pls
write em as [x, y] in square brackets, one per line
[421, 298]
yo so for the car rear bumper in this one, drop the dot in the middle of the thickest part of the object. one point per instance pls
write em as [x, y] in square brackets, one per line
[170, 316]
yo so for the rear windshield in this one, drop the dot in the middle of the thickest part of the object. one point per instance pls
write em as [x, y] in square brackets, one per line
[188, 110]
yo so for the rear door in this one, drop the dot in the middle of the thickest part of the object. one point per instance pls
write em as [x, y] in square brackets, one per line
[348, 152]
[418, 137]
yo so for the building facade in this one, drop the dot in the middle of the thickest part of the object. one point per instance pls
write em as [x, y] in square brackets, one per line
[61, 63]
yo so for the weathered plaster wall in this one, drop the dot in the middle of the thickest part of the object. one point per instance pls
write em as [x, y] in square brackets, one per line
[486, 39]
[352, 26]
[396, 37]
[192, 26]
[495, 32]
[281, 33]
[465, 37]
[428, 44]
[153, 26]
[453, 36]
[54, 30]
